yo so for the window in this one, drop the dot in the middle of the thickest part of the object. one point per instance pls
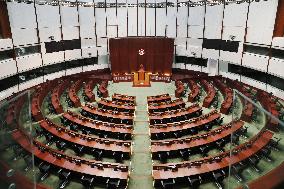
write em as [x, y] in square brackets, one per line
[6, 55]
[256, 50]
[27, 50]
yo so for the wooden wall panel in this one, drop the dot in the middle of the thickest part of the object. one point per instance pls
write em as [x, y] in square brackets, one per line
[125, 58]
[279, 22]
[5, 29]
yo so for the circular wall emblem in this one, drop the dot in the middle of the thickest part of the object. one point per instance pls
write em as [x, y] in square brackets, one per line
[141, 52]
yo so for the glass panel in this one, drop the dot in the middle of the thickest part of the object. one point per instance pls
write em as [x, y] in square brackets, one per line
[256, 148]
[16, 158]
[27, 50]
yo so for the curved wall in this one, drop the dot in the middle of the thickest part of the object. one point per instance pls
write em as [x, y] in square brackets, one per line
[86, 27]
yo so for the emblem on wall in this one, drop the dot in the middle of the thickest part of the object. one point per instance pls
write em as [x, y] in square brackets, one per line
[141, 52]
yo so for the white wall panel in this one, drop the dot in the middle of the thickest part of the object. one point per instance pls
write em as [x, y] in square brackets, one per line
[87, 31]
[210, 53]
[30, 83]
[29, 62]
[112, 31]
[253, 82]
[212, 32]
[230, 75]
[84, 13]
[90, 68]
[196, 15]
[214, 15]
[262, 13]
[73, 54]
[48, 16]
[100, 22]
[102, 42]
[89, 52]
[88, 43]
[8, 92]
[103, 59]
[278, 42]
[111, 16]
[235, 14]
[259, 35]
[24, 36]
[277, 92]
[160, 21]
[122, 22]
[141, 21]
[181, 50]
[255, 61]
[102, 51]
[70, 33]
[7, 67]
[54, 75]
[150, 21]
[238, 32]
[51, 58]
[195, 31]
[193, 67]
[171, 22]
[18, 11]
[46, 33]
[132, 21]
[69, 16]
[6, 44]
[73, 71]
[194, 47]
[231, 56]
[276, 67]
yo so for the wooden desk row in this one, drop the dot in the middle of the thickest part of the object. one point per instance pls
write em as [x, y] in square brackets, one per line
[158, 98]
[175, 115]
[267, 103]
[198, 123]
[124, 98]
[72, 93]
[88, 90]
[227, 93]
[116, 105]
[38, 96]
[86, 123]
[247, 106]
[56, 94]
[108, 116]
[108, 145]
[103, 89]
[211, 92]
[196, 140]
[207, 165]
[179, 89]
[194, 91]
[72, 163]
[164, 106]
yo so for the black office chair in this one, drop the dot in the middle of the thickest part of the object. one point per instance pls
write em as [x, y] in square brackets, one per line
[118, 156]
[253, 161]
[61, 145]
[112, 183]
[236, 169]
[87, 181]
[44, 169]
[194, 181]
[204, 150]
[163, 156]
[97, 153]
[265, 152]
[185, 154]
[168, 184]
[218, 177]
[64, 176]
[79, 149]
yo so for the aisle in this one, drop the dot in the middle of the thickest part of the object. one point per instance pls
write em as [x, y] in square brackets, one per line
[141, 160]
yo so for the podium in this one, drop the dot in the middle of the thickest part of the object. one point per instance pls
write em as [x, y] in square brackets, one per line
[141, 78]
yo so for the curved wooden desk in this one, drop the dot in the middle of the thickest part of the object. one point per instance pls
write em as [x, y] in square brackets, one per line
[196, 140]
[212, 163]
[197, 123]
[166, 105]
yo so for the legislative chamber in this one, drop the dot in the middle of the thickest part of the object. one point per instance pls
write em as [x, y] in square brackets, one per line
[142, 94]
